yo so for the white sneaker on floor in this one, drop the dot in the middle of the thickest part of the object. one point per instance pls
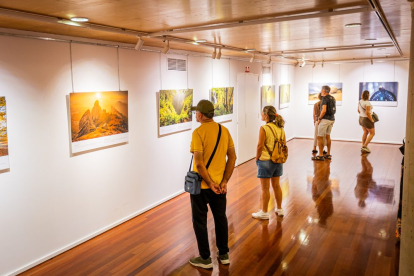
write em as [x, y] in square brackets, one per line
[261, 215]
[279, 212]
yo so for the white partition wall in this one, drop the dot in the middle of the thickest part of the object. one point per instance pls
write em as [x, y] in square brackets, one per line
[248, 120]
[390, 128]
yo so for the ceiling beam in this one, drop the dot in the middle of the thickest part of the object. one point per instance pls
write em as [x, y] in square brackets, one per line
[336, 48]
[382, 18]
[266, 20]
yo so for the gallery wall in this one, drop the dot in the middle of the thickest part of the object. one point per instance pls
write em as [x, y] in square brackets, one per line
[390, 128]
[51, 200]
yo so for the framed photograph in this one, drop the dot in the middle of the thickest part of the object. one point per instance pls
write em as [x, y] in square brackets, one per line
[4, 145]
[315, 89]
[268, 96]
[380, 93]
[175, 110]
[222, 98]
[284, 96]
[98, 119]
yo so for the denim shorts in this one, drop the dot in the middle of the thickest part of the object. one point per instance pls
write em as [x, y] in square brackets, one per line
[268, 169]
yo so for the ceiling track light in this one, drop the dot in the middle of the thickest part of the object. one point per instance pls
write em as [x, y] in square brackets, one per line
[322, 63]
[269, 60]
[372, 62]
[166, 48]
[218, 54]
[139, 44]
[79, 19]
[252, 58]
[314, 64]
[213, 55]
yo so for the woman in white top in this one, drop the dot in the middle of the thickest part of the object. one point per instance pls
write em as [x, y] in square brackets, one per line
[365, 120]
[267, 171]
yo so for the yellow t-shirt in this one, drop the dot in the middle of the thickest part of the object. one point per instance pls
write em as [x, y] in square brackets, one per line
[204, 140]
[270, 139]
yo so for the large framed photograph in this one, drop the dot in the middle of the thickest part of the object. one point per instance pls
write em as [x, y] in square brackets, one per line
[315, 89]
[98, 119]
[380, 93]
[222, 98]
[175, 110]
[284, 96]
[268, 96]
[4, 145]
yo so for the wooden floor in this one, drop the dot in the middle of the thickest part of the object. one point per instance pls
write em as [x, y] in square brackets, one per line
[337, 222]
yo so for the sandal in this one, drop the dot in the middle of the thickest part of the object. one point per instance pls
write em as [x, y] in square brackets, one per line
[329, 157]
[314, 151]
[324, 152]
[318, 158]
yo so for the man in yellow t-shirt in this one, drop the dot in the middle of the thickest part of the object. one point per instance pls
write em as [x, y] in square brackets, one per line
[214, 184]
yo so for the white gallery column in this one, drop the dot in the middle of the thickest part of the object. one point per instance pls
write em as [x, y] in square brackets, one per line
[407, 224]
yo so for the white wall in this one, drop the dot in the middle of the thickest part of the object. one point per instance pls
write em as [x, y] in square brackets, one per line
[50, 201]
[390, 128]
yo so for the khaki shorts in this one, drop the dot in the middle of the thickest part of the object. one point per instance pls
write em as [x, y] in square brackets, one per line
[325, 127]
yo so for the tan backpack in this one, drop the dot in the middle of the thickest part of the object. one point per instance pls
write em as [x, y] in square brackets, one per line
[280, 149]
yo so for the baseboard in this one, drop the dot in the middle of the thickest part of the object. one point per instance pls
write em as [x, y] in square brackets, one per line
[93, 235]
[352, 140]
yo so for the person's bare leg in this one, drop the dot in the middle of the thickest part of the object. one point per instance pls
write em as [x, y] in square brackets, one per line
[364, 136]
[277, 190]
[328, 144]
[320, 145]
[315, 139]
[370, 136]
[265, 195]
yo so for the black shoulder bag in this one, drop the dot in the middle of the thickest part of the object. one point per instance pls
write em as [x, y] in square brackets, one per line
[192, 183]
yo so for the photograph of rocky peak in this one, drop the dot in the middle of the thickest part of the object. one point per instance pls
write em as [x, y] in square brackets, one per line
[98, 114]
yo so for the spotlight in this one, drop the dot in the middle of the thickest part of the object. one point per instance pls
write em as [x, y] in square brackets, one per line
[213, 55]
[269, 60]
[219, 54]
[322, 64]
[303, 63]
[252, 59]
[372, 62]
[139, 44]
[166, 48]
[297, 63]
[314, 64]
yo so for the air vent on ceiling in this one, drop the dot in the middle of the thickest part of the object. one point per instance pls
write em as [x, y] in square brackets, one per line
[177, 64]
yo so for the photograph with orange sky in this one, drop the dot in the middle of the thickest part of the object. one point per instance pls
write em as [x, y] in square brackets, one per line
[98, 114]
[4, 149]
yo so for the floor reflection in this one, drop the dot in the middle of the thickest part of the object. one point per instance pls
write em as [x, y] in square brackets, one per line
[321, 190]
[369, 189]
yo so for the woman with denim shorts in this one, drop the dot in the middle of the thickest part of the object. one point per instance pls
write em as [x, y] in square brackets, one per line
[267, 171]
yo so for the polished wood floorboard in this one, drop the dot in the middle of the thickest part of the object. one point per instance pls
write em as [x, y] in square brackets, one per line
[339, 219]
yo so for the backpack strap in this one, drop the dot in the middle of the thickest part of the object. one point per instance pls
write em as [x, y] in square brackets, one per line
[276, 139]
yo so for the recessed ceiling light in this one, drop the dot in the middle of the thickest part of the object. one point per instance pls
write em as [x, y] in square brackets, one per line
[381, 49]
[71, 23]
[192, 42]
[250, 50]
[350, 25]
[370, 39]
[79, 19]
[201, 41]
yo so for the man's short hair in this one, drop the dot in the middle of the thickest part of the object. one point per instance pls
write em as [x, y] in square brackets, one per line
[326, 88]
[208, 115]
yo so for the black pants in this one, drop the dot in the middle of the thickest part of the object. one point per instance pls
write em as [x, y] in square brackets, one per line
[218, 208]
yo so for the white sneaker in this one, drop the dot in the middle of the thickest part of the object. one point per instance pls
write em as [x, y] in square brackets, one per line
[261, 215]
[279, 212]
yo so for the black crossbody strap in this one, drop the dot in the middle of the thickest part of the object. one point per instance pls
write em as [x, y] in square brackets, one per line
[191, 163]
[212, 155]
[215, 148]
[361, 106]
